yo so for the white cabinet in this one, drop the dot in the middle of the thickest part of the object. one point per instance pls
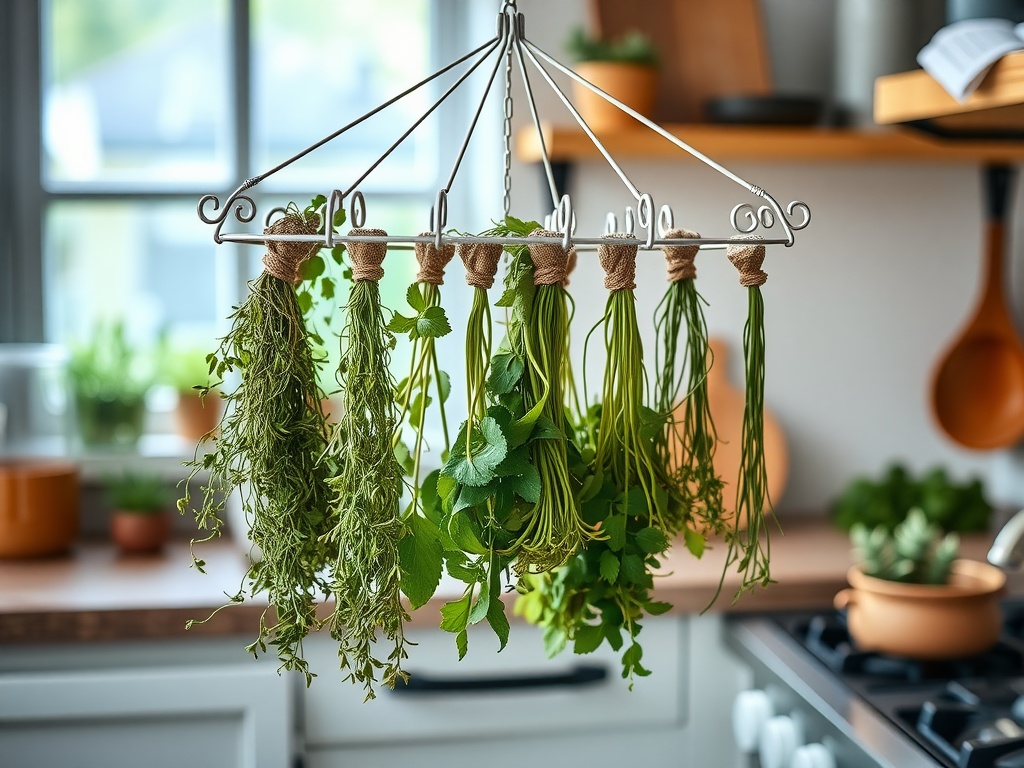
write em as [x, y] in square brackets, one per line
[142, 715]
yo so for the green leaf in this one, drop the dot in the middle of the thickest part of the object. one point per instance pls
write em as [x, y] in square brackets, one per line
[421, 558]
[555, 639]
[401, 323]
[433, 323]
[455, 615]
[521, 429]
[327, 289]
[446, 488]
[507, 299]
[588, 638]
[339, 217]
[415, 298]
[444, 386]
[615, 527]
[471, 496]
[462, 572]
[481, 606]
[419, 403]
[338, 254]
[487, 448]
[312, 268]
[652, 540]
[506, 371]
[404, 458]
[545, 429]
[496, 610]
[609, 567]
[462, 643]
[305, 300]
[631, 661]
[527, 485]
[464, 533]
[632, 569]
[516, 462]
[656, 608]
[694, 542]
[429, 499]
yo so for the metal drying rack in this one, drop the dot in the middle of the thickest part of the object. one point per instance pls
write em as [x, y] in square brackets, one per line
[510, 44]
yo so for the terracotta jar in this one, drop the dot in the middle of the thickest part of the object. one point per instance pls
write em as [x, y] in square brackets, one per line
[139, 532]
[635, 85]
[38, 507]
[926, 621]
[197, 416]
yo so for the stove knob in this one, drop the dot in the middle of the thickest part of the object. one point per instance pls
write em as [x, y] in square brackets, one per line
[779, 740]
[750, 711]
[812, 756]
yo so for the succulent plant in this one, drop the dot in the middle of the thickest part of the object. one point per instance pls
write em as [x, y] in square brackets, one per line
[915, 552]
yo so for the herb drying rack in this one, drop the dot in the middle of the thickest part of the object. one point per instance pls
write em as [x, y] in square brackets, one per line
[510, 49]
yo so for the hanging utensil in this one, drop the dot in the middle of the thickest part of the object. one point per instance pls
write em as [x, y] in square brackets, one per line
[978, 387]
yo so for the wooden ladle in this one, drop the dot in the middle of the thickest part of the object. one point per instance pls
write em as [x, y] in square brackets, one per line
[978, 386]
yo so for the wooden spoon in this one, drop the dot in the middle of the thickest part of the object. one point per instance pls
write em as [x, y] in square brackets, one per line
[727, 402]
[978, 386]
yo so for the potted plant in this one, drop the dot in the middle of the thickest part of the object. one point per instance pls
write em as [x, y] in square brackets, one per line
[198, 410]
[626, 69]
[109, 381]
[139, 521]
[910, 595]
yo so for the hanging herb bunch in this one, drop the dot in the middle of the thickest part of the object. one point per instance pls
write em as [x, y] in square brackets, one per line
[689, 447]
[365, 521]
[271, 444]
[626, 493]
[749, 543]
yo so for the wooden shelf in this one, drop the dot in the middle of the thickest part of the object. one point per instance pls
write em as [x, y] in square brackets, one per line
[728, 142]
[997, 104]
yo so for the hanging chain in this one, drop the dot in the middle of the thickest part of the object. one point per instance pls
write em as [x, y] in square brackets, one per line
[507, 199]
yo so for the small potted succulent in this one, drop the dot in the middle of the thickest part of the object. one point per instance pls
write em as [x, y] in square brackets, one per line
[626, 69]
[139, 521]
[198, 410]
[109, 380]
[910, 595]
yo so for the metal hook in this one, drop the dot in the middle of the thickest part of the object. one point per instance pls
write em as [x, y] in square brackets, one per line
[335, 200]
[565, 221]
[357, 210]
[645, 217]
[611, 223]
[439, 217]
[666, 220]
[630, 226]
[270, 215]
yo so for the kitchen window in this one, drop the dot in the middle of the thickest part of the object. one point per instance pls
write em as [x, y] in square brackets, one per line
[117, 115]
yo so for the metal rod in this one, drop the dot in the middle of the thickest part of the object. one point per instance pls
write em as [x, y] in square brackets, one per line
[545, 158]
[582, 242]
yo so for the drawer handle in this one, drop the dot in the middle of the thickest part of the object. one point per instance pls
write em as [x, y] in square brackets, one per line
[579, 675]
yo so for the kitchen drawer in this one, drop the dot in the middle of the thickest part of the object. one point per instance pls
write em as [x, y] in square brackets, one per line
[335, 714]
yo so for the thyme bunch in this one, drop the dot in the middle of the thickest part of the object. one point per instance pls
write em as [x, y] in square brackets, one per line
[365, 573]
[270, 446]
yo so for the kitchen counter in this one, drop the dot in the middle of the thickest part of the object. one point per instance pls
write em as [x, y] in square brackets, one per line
[96, 595]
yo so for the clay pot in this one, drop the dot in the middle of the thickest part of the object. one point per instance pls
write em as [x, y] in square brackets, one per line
[139, 533]
[926, 621]
[633, 84]
[195, 416]
[38, 507]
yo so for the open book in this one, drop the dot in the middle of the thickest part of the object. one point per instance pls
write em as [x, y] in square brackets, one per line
[960, 55]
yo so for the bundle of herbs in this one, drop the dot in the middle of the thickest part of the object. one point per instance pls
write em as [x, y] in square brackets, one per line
[626, 493]
[365, 521]
[271, 446]
[749, 547]
[688, 447]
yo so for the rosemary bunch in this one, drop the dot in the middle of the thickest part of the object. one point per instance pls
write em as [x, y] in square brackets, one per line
[365, 574]
[270, 446]
[689, 447]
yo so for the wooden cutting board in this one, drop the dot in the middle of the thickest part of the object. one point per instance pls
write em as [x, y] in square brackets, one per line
[726, 402]
[707, 48]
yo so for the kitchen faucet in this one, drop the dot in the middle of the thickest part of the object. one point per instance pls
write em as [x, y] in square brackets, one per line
[1008, 549]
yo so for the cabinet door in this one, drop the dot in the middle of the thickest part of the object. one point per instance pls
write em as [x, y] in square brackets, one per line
[147, 718]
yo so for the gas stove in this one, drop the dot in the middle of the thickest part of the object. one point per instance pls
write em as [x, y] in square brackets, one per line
[820, 702]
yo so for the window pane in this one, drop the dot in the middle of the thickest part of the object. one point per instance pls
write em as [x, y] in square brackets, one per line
[136, 90]
[318, 65]
[148, 264]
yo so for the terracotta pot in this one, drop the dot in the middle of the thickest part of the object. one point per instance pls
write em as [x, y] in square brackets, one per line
[195, 416]
[924, 621]
[38, 507]
[139, 533]
[633, 84]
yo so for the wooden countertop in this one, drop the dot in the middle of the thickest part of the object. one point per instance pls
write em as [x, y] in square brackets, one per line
[95, 595]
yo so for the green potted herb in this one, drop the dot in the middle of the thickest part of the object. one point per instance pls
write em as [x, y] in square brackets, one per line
[198, 409]
[139, 520]
[910, 595]
[626, 69]
[109, 381]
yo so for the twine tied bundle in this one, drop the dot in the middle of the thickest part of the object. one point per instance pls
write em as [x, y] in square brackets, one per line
[284, 258]
[747, 255]
[481, 261]
[619, 262]
[550, 260]
[367, 257]
[432, 260]
[680, 258]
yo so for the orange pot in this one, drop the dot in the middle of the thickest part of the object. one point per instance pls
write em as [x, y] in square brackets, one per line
[196, 416]
[38, 507]
[925, 621]
[136, 533]
[633, 84]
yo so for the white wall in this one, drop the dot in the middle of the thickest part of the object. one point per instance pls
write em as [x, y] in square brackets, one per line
[857, 312]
